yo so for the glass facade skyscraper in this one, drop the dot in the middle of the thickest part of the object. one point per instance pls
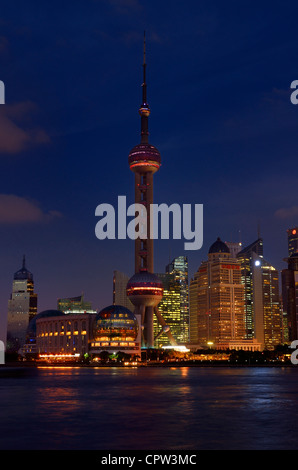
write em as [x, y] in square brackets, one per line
[263, 320]
[179, 267]
[170, 309]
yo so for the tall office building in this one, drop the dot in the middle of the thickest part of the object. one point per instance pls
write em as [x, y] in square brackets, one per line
[250, 257]
[120, 281]
[218, 294]
[263, 320]
[292, 240]
[289, 278]
[22, 307]
[193, 309]
[170, 309]
[179, 268]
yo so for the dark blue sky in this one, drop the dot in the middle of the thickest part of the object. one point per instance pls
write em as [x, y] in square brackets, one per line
[219, 76]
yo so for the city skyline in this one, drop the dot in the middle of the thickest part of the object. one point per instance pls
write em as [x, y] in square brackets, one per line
[58, 137]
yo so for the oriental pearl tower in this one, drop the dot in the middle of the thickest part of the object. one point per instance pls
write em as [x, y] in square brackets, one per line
[145, 289]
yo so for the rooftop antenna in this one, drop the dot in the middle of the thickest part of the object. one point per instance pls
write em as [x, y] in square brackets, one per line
[259, 230]
[144, 109]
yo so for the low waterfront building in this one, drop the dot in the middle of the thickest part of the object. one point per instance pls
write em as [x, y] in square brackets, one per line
[55, 334]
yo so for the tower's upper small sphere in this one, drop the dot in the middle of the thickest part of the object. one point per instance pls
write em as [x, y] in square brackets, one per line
[145, 288]
[144, 158]
[115, 322]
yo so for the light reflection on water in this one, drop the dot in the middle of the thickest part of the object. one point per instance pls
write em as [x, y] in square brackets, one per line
[150, 408]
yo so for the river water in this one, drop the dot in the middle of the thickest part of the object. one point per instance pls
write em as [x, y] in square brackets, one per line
[187, 408]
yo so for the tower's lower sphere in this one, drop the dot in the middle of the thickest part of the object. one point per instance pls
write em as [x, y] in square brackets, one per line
[144, 289]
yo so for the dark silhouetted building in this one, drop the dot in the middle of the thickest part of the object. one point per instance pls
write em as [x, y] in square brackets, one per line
[292, 240]
[289, 278]
[22, 307]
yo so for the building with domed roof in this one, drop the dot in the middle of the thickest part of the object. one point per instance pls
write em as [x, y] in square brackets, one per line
[22, 307]
[217, 299]
[116, 329]
[57, 335]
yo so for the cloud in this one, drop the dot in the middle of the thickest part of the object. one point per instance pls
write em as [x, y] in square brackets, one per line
[17, 133]
[17, 210]
[287, 213]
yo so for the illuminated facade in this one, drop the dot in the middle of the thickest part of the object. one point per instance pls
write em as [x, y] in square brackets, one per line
[22, 307]
[170, 308]
[219, 298]
[272, 312]
[193, 309]
[179, 268]
[63, 334]
[263, 318]
[250, 258]
[116, 329]
[144, 289]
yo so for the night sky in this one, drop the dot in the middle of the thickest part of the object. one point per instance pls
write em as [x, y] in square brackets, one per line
[219, 76]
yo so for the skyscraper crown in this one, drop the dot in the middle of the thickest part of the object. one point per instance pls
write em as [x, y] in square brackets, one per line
[23, 273]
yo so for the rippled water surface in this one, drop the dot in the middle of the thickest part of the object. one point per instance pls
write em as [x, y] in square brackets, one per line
[150, 408]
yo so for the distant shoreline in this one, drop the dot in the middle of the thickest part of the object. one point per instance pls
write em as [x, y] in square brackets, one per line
[37, 365]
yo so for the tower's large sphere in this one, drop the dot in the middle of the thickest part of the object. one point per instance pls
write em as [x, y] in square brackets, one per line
[115, 323]
[145, 288]
[144, 158]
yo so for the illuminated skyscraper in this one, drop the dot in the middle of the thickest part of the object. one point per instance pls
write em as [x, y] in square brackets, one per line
[170, 309]
[218, 296]
[193, 309]
[263, 320]
[22, 307]
[250, 258]
[144, 289]
[179, 267]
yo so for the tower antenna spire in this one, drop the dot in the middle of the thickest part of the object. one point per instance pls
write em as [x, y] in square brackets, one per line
[144, 72]
[144, 108]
